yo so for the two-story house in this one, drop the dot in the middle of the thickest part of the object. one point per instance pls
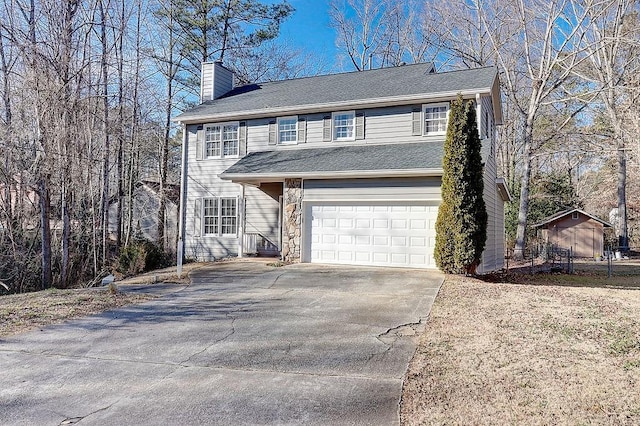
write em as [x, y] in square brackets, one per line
[342, 168]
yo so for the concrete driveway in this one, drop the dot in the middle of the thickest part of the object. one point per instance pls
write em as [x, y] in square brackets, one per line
[245, 343]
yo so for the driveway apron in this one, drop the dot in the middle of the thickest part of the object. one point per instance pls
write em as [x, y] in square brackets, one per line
[245, 343]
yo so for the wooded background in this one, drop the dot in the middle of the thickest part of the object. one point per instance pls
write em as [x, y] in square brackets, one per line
[89, 89]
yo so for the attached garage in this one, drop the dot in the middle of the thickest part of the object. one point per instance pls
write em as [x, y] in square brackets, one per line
[371, 222]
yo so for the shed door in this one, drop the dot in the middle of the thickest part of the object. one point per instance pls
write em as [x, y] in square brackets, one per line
[379, 234]
[583, 241]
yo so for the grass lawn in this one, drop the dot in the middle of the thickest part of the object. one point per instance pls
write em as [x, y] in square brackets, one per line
[535, 349]
[23, 312]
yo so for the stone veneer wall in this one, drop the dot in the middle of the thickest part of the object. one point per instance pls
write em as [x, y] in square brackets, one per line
[292, 220]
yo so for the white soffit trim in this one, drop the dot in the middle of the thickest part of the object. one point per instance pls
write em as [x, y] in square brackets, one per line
[278, 177]
[503, 189]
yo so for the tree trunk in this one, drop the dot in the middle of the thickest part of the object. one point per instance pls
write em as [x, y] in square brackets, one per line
[622, 195]
[121, 128]
[106, 135]
[523, 210]
[45, 232]
[133, 151]
[7, 136]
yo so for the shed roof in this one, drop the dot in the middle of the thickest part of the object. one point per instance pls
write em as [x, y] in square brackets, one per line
[328, 91]
[564, 213]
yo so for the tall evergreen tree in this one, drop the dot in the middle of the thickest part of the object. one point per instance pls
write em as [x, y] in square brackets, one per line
[461, 227]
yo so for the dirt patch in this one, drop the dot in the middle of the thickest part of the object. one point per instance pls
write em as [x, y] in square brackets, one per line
[548, 349]
[23, 312]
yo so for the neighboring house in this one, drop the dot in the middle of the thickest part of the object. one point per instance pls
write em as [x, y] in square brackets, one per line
[18, 196]
[574, 229]
[146, 202]
[343, 168]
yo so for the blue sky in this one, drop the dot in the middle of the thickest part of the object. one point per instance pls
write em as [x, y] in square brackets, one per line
[308, 29]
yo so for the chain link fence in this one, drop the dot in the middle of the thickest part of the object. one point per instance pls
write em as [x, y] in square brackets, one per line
[554, 258]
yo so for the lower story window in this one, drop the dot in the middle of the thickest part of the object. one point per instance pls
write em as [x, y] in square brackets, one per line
[210, 216]
[220, 216]
[229, 214]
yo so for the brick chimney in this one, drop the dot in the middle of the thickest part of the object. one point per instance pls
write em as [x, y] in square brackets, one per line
[215, 81]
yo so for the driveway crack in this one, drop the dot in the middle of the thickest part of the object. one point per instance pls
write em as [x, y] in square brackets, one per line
[215, 342]
[275, 280]
[392, 335]
[74, 420]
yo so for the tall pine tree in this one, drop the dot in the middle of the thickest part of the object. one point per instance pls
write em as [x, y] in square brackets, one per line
[461, 227]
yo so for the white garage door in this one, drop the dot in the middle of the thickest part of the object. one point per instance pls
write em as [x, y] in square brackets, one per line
[378, 234]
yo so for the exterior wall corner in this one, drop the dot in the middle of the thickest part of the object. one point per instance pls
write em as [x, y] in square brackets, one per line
[292, 220]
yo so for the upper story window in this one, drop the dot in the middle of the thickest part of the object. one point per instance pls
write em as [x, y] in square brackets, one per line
[221, 140]
[435, 118]
[288, 130]
[344, 125]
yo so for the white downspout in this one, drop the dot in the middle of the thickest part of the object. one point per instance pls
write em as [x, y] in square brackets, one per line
[241, 223]
[478, 115]
[183, 199]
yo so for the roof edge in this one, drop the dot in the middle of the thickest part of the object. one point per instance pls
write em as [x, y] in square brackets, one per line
[567, 212]
[278, 177]
[503, 188]
[332, 106]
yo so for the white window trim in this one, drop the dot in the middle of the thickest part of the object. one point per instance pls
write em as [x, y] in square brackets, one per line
[204, 217]
[424, 118]
[221, 125]
[333, 127]
[289, 117]
[219, 210]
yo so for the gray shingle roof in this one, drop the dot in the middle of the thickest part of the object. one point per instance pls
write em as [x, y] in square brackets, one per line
[358, 158]
[408, 80]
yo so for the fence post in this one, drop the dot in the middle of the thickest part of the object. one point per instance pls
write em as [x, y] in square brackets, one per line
[570, 260]
[609, 263]
[531, 255]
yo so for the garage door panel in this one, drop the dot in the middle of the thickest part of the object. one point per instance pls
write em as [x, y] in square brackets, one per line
[418, 242]
[379, 240]
[378, 234]
[363, 240]
[381, 257]
[363, 256]
[398, 241]
[363, 223]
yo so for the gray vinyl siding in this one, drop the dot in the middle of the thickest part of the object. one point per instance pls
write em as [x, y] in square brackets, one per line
[493, 255]
[216, 81]
[381, 125]
[500, 235]
[487, 106]
[373, 190]
[203, 182]
[262, 211]
[224, 82]
[207, 88]
[261, 204]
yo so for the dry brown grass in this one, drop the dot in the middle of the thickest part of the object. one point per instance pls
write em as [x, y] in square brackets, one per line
[23, 312]
[549, 349]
